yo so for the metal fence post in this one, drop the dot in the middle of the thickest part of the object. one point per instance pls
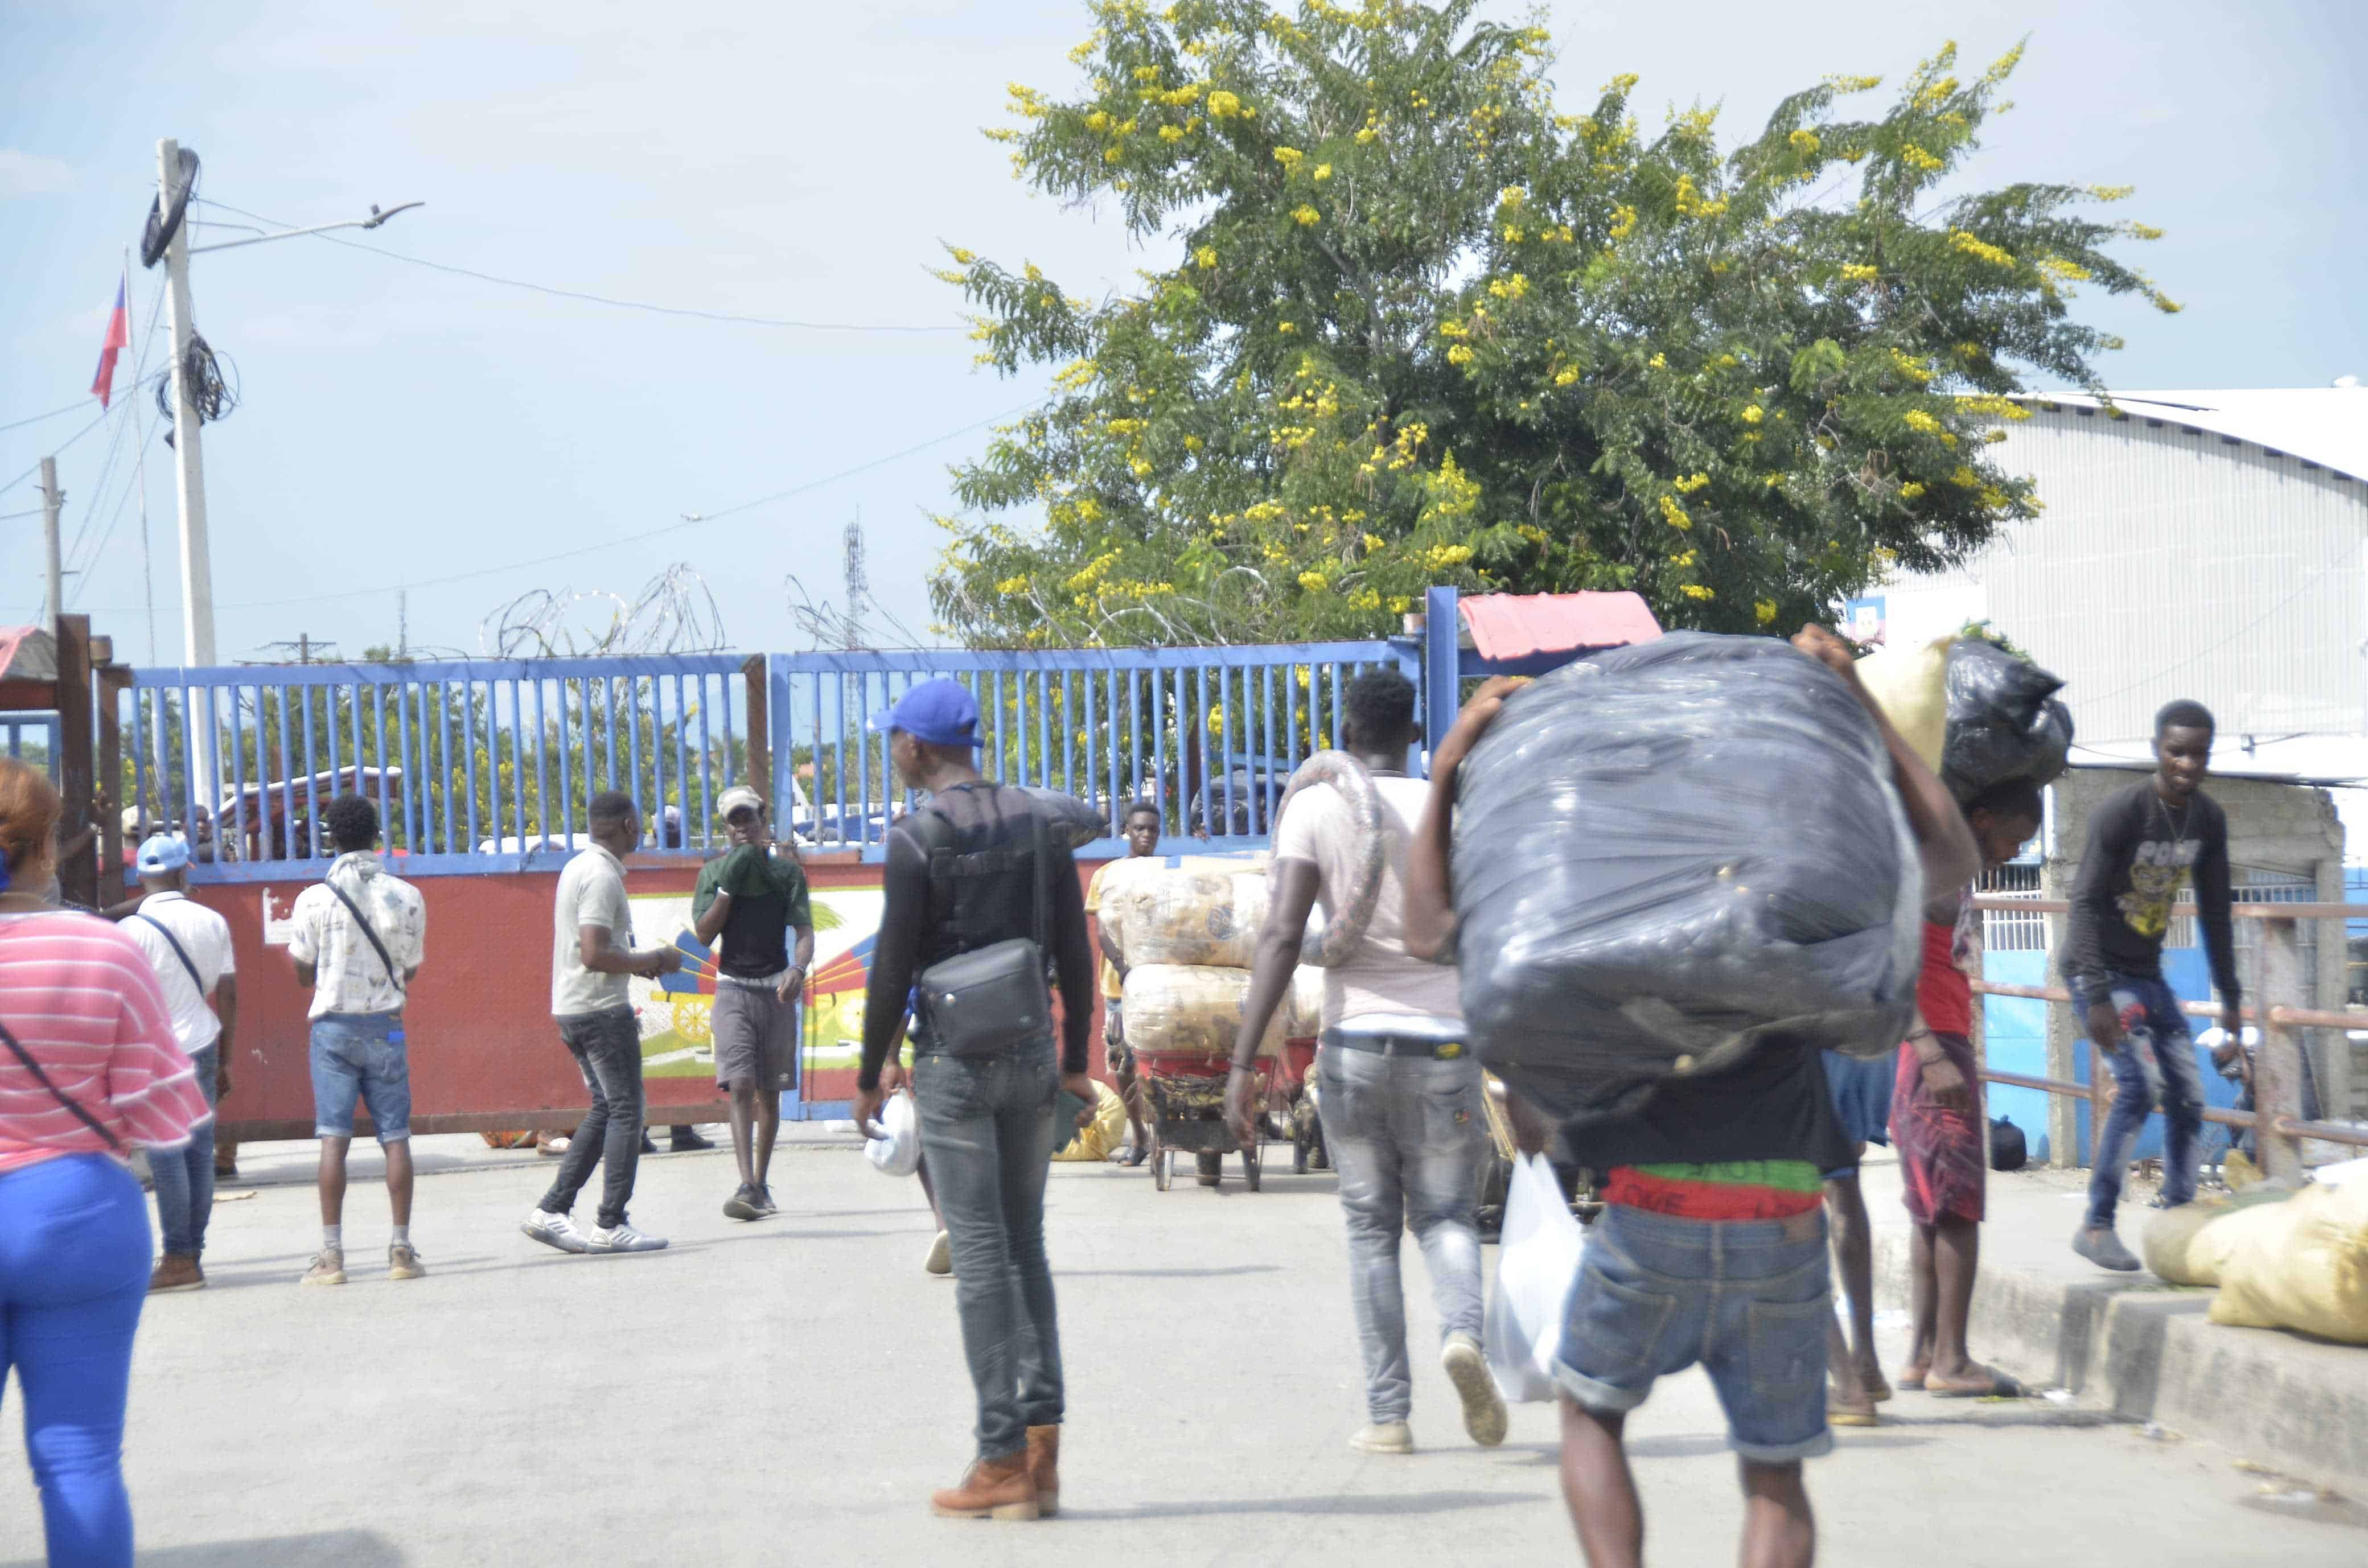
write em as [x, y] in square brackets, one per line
[2277, 1069]
[1443, 689]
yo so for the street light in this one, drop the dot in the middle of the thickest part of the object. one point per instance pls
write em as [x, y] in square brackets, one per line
[175, 189]
[196, 566]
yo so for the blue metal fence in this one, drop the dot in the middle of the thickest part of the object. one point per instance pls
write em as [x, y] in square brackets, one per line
[1211, 735]
[30, 737]
[487, 765]
[475, 766]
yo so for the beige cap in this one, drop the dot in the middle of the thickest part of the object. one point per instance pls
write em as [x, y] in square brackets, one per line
[734, 798]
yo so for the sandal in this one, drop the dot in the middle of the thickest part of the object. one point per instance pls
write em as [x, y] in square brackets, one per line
[1135, 1156]
[1843, 1415]
[1914, 1380]
[1997, 1386]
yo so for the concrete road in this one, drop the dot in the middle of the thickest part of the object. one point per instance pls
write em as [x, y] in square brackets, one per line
[791, 1390]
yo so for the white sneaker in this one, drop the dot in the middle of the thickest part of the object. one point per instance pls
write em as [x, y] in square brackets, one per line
[1484, 1407]
[1385, 1437]
[942, 1254]
[553, 1230]
[624, 1238]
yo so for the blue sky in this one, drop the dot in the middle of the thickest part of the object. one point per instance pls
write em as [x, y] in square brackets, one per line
[404, 426]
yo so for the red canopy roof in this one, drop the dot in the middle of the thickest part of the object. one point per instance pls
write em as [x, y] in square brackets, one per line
[1506, 626]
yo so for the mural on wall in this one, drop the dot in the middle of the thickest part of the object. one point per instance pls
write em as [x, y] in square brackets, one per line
[677, 1040]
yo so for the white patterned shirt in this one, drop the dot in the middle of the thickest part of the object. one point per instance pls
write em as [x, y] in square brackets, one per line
[348, 974]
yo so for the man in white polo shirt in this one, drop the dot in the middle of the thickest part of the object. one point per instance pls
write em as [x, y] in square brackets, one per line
[188, 946]
[592, 960]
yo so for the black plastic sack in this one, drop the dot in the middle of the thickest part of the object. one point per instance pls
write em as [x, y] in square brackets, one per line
[2004, 720]
[2009, 1149]
[1672, 854]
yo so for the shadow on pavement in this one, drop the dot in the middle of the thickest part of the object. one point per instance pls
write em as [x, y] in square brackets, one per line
[348, 1549]
[1166, 1273]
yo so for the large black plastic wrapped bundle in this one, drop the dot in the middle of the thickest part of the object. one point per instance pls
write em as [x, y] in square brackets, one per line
[1067, 818]
[1671, 854]
[2004, 720]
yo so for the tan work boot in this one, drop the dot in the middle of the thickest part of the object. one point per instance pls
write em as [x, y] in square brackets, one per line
[1045, 1468]
[177, 1271]
[991, 1489]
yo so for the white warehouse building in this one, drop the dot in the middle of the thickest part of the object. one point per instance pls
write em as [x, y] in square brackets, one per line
[2202, 544]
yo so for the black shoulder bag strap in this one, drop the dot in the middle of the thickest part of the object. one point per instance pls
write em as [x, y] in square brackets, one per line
[362, 920]
[57, 1094]
[179, 951]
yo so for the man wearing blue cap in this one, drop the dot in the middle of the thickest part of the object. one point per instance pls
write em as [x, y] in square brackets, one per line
[188, 946]
[979, 895]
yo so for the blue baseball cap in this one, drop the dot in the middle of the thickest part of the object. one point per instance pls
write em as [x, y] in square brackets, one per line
[161, 856]
[940, 712]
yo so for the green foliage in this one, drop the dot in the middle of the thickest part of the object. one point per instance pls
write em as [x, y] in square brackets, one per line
[1983, 631]
[1414, 326]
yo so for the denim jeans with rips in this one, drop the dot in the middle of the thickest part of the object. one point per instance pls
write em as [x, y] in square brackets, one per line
[2155, 1067]
[1407, 1134]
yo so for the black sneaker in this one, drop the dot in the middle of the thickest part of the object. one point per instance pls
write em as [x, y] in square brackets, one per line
[686, 1141]
[2105, 1250]
[765, 1202]
[744, 1204]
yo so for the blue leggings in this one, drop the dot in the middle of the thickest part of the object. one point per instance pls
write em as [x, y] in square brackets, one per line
[74, 1273]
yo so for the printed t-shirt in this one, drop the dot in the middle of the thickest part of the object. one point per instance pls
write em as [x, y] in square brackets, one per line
[769, 896]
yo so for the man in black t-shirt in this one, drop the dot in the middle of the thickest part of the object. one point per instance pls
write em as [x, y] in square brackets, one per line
[755, 899]
[2143, 842]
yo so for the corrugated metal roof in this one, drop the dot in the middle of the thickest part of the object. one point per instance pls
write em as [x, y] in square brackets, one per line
[2327, 425]
[27, 652]
[1504, 627]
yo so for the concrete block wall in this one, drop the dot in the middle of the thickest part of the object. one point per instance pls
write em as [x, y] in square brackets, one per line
[2274, 827]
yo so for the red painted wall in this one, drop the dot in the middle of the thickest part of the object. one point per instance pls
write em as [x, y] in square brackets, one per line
[483, 1053]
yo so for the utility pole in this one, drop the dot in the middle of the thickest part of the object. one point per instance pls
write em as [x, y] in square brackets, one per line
[51, 501]
[197, 560]
[859, 580]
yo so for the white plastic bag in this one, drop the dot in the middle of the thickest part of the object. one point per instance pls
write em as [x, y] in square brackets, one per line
[1536, 1265]
[897, 1149]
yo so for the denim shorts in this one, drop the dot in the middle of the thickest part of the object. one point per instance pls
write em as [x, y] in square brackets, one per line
[1747, 1298]
[360, 1057]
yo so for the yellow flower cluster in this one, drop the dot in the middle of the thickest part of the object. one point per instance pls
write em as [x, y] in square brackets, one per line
[1288, 158]
[1012, 585]
[1854, 84]
[1964, 478]
[1460, 355]
[2069, 271]
[1364, 601]
[1205, 257]
[1764, 612]
[1859, 272]
[1093, 572]
[1658, 362]
[1754, 414]
[1314, 582]
[1566, 375]
[1980, 249]
[1691, 203]
[1686, 484]
[1306, 217]
[1440, 557]
[1916, 419]
[1223, 104]
[1511, 287]
[1804, 143]
[1696, 591]
[1914, 369]
[1995, 407]
[1675, 515]
[1323, 172]
[1683, 558]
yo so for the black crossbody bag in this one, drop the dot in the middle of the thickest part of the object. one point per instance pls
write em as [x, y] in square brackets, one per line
[57, 1094]
[995, 999]
[179, 951]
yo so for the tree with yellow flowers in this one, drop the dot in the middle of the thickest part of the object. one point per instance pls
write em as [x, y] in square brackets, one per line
[1413, 324]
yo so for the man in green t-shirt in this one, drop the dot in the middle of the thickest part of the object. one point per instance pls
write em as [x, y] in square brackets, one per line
[753, 900]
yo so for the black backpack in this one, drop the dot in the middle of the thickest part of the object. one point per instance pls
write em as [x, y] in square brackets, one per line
[2009, 1150]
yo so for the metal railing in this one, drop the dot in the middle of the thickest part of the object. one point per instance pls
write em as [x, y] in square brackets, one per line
[1210, 735]
[30, 737]
[475, 766]
[2278, 1069]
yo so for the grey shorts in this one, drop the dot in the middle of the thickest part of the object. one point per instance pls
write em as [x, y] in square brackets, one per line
[756, 1038]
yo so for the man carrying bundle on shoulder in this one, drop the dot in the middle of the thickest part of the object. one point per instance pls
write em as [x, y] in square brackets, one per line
[1712, 1247]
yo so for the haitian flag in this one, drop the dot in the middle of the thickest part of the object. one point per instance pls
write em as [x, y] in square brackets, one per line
[119, 334]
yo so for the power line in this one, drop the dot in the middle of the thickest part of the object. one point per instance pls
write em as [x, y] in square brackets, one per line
[36, 419]
[693, 520]
[726, 316]
[60, 447]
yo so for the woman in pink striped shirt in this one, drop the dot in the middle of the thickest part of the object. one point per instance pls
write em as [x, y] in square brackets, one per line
[89, 1068]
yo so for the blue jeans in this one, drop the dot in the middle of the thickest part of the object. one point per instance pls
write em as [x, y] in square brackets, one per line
[360, 1056]
[1407, 1136]
[185, 1178]
[987, 1133]
[74, 1273]
[607, 1050]
[2156, 1066]
[1747, 1298]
